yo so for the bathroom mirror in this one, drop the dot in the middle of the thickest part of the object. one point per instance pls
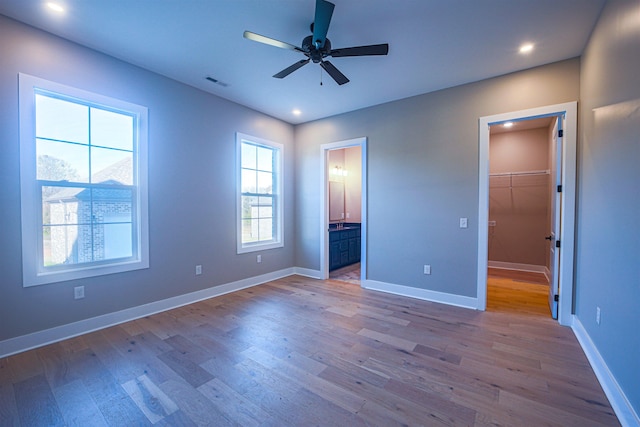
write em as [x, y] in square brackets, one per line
[336, 200]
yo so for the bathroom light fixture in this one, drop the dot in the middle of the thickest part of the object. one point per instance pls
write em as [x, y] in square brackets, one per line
[296, 112]
[338, 170]
[508, 124]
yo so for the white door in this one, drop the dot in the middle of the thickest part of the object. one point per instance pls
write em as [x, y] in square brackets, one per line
[556, 194]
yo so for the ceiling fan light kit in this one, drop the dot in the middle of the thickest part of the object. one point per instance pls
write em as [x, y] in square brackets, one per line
[316, 47]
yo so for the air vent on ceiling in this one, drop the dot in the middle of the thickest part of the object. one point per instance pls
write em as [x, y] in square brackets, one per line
[216, 81]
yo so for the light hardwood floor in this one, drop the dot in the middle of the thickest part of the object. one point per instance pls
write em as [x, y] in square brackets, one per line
[510, 291]
[298, 351]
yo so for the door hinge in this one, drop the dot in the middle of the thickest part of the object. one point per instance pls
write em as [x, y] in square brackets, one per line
[556, 298]
[560, 133]
[557, 243]
[559, 188]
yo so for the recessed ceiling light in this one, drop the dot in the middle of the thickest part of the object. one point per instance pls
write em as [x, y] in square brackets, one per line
[508, 124]
[296, 112]
[55, 7]
[526, 48]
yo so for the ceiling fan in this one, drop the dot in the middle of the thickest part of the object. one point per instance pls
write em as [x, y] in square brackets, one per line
[317, 46]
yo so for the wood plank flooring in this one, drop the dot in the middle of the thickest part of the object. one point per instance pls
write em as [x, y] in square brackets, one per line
[511, 291]
[302, 352]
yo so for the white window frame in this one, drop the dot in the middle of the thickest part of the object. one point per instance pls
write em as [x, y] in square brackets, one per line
[33, 271]
[278, 240]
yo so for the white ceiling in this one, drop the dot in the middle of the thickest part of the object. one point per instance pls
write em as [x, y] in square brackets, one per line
[433, 44]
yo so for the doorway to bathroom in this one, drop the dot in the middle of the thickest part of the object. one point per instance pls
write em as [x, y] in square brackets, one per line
[343, 252]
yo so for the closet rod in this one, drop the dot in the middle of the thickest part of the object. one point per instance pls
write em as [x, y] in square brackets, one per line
[540, 172]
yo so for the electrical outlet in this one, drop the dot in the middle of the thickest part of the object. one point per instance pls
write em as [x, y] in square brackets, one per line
[463, 222]
[598, 315]
[427, 269]
[259, 259]
[198, 270]
[78, 292]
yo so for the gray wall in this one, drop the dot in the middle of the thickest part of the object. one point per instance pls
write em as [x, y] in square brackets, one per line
[422, 175]
[191, 185]
[608, 244]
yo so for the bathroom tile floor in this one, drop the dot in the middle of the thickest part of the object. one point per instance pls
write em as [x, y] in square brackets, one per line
[349, 274]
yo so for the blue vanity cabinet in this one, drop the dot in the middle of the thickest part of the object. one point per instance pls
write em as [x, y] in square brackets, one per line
[344, 246]
[334, 250]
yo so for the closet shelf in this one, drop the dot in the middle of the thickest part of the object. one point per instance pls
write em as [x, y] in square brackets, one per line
[538, 172]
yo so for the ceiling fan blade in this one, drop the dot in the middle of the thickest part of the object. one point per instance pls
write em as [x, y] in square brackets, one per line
[284, 73]
[334, 72]
[268, 40]
[322, 19]
[374, 49]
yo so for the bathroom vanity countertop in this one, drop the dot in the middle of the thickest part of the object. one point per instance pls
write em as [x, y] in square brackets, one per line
[346, 226]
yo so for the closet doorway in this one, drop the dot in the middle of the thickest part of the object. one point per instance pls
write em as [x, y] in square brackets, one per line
[562, 177]
[343, 232]
[520, 260]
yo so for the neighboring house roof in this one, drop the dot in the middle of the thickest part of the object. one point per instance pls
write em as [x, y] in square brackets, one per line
[119, 173]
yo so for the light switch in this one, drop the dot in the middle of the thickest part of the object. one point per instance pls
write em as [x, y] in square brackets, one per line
[463, 222]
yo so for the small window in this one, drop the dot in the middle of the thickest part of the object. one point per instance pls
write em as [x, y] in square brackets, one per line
[259, 194]
[83, 183]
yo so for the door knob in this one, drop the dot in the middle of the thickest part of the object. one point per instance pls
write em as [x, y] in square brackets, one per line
[549, 237]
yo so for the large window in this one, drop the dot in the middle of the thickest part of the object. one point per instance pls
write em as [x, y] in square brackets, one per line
[83, 183]
[259, 194]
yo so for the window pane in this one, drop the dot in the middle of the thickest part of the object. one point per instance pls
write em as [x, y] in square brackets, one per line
[265, 182]
[109, 129]
[111, 166]
[112, 240]
[60, 205]
[61, 120]
[111, 205]
[248, 202]
[60, 161]
[265, 159]
[65, 244]
[247, 235]
[265, 229]
[265, 209]
[248, 181]
[248, 156]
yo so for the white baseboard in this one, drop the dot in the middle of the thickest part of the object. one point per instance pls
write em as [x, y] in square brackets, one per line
[618, 400]
[307, 272]
[59, 333]
[423, 294]
[517, 266]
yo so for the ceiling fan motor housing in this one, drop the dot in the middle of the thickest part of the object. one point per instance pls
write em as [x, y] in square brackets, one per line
[315, 54]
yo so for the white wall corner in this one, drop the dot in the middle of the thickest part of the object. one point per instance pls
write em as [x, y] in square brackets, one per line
[627, 416]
